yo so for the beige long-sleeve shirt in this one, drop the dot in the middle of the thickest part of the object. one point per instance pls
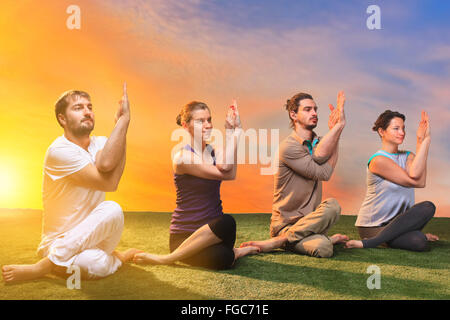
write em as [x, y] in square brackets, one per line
[298, 181]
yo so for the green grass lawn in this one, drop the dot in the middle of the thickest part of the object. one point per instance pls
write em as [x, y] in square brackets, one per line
[272, 276]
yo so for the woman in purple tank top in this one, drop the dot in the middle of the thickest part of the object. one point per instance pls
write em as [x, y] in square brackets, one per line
[200, 234]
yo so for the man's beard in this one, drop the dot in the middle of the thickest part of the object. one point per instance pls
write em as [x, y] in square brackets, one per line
[82, 129]
[311, 126]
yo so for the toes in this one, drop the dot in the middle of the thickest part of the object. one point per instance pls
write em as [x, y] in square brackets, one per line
[6, 268]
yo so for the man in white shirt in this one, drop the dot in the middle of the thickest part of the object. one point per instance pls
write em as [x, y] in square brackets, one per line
[79, 227]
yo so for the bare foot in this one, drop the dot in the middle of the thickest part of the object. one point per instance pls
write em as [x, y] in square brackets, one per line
[266, 245]
[431, 237]
[148, 258]
[338, 238]
[354, 244]
[244, 251]
[126, 255]
[13, 273]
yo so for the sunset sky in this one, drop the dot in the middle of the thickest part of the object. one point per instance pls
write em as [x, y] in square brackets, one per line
[259, 52]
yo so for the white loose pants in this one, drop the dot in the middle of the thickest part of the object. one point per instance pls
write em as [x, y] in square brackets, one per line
[89, 245]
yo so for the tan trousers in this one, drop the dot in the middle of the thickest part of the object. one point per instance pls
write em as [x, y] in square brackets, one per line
[309, 234]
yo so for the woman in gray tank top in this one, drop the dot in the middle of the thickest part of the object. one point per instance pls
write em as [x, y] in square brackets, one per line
[388, 214]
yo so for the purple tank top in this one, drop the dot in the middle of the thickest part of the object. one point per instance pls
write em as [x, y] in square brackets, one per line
[198, 201]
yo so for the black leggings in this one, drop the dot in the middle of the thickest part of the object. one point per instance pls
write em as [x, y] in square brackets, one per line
[218, 256]
[404, 231]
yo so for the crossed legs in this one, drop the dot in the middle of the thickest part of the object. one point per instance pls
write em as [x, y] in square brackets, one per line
[308, 235]
[404, 231]
[90, 245]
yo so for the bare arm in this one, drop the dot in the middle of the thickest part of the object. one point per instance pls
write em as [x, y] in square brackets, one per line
[416, 168]
[187, 162]
[227, 158]
[112, 153]
[90, 177]
[389, 170]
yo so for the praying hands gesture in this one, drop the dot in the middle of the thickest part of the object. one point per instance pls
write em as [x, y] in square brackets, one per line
[423, 131]
[337, 114]
[233, 119]
[124, 106]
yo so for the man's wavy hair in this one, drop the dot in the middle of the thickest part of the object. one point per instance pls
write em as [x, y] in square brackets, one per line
[293, 103]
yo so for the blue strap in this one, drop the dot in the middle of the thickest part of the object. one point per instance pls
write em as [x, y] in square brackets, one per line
[213, 155]
[378, 154]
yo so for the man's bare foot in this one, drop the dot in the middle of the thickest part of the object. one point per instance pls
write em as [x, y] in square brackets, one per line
[244, 251]
[13, 273]
[354, 244]
[148, 258]
[266, 245]
[338, 238]
[126, 255]
[431, 237]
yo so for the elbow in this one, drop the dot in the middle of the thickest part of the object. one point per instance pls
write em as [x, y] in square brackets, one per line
[326, 176]
[421, 185]
[416, 184]
[414, 176]
[320, 158]
[225, 168]
[105, 166]
[229, 177]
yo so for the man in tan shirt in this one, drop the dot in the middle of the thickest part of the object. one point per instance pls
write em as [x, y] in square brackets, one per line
[300, 220]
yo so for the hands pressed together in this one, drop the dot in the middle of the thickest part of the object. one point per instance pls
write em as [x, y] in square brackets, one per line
[423, 132]
[233, 120]
[337, 115]
[124, 106]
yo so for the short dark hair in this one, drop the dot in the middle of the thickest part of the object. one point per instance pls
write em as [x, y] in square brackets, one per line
[63, 101]
[385, 118]
[293, 103]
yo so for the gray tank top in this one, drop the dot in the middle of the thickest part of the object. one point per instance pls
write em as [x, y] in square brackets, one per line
[384, 199]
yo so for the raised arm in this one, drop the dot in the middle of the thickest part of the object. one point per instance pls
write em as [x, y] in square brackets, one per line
[227, 157]
[336, 123]
[90, 177]
[389, 170]
[417, 164]
[301, 162]
[114, 150]
[186, 162]
[202, 166]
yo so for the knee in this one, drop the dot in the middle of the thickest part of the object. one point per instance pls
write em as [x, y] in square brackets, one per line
[323, 250]
[225, 262]
[419, 243]
[428, 208]
[85, 260]
[332, 209]
[228, 222]
[115, 211]
[94, 263]
[225, 229]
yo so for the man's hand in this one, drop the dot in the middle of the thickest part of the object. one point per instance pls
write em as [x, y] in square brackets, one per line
[124, 106]
[337, 115]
